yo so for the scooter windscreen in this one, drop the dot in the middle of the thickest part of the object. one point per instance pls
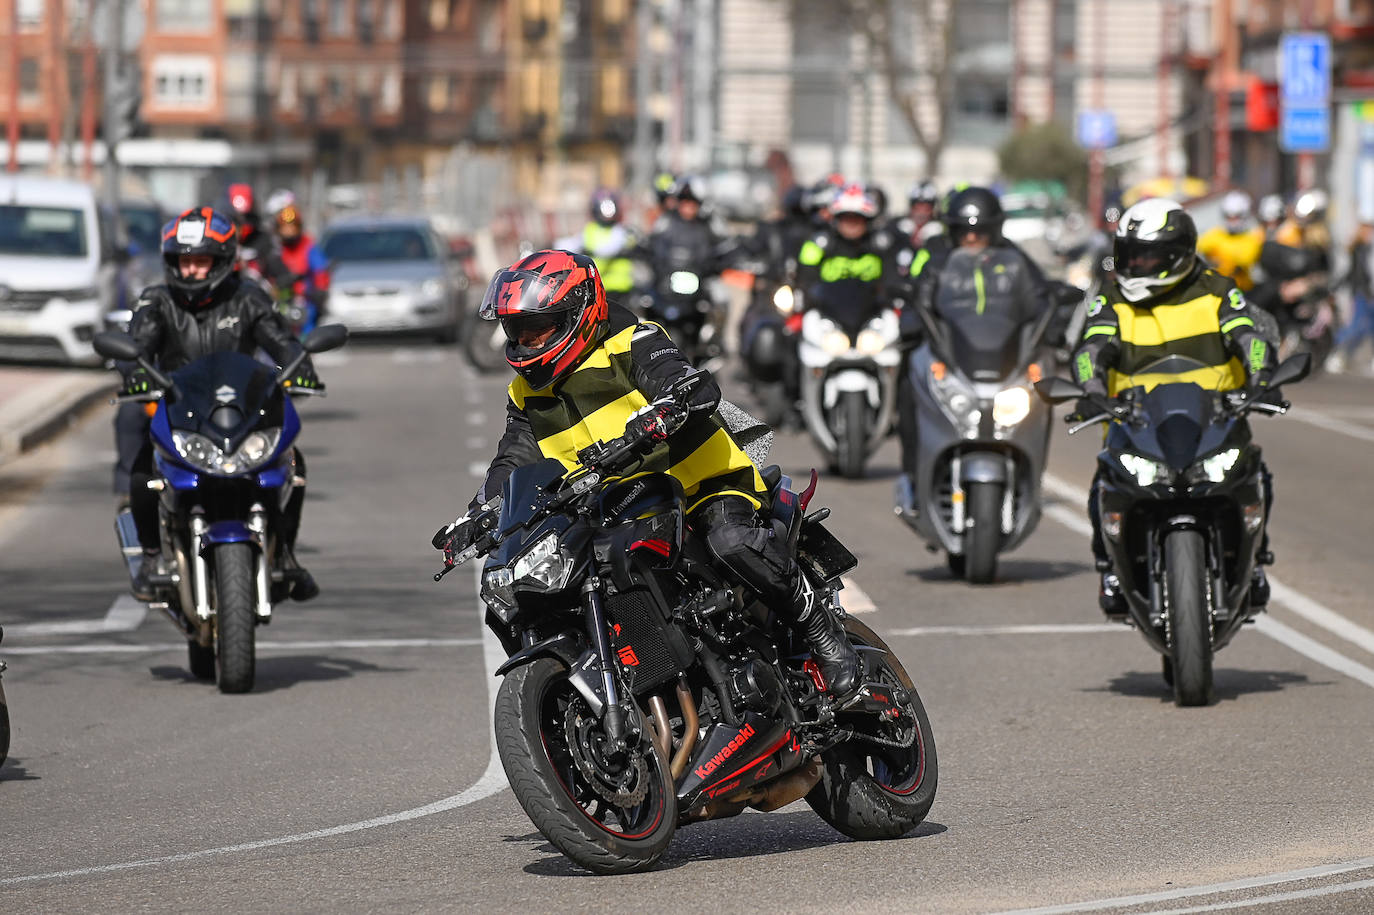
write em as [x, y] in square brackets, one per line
[985, 347]
[225, 396]
[850, 303]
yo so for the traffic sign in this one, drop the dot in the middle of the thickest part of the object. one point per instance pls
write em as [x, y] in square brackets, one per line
[1305, 70]
[1305, 130]
[1096, 129]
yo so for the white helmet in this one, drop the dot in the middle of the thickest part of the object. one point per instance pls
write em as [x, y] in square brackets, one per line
[279, 200]
[1271, 208]
[1235, 205]
[1154, 250]
[1310, 204]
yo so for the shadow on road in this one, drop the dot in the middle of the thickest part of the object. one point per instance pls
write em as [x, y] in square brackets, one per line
[276, 672]
[1010, 572]
[1229, 684]
[12, 770]
[745, 836]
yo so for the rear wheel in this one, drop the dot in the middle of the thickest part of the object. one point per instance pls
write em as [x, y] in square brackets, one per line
[985, 534]
[611, 815]
[486, 347]
[235, 616]
[1190, 625]
[880, 790]
[851, 434]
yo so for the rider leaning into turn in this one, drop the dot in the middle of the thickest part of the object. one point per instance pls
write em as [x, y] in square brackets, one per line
[205, 308]
[583, 370]
[1164, 301]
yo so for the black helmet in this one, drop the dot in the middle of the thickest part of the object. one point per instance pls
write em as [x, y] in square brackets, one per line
[973, 207]
[690, 187]
[1154, 250]
[200, 231]
[923, 192]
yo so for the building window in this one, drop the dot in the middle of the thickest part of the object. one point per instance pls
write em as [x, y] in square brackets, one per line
[438, 15]
[184, 15]
[183, 81]
[339, 24]
[436, 94]
[287, 95]
[30, 14]
[28, 80]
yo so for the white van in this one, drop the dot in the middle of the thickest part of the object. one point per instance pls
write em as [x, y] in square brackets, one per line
[58, 269]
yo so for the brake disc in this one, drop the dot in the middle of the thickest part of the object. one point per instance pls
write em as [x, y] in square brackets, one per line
[624, 786]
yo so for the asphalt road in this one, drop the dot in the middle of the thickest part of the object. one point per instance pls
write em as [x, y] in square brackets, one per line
[358, 776]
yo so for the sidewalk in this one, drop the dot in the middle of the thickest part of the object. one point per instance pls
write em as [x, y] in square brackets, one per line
[38, 402]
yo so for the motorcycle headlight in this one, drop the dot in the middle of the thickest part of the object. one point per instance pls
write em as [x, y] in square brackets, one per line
[1145, 471]
[956, 399]
[202, 453]
[835, 342]
[684, 282]
[870, 342]
[784, 300]
[1011, 406]
[1215, 468]
[432, 288]
[543, 567]
[498, 591]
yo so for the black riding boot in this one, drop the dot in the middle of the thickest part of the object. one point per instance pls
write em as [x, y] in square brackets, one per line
[830, 647]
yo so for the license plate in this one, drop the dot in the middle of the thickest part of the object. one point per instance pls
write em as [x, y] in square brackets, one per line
[14, 327]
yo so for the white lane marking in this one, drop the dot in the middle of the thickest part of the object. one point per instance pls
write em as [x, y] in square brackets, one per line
[477, 419]
[477, 442]
[856, 601]
[477, 469]
[1247, 883]
[329, 359]
[156, 647]
[1075, 521]
[1273, 897]
[125, 615]
[1015, 629]
[1306, 607]
[1332, 424]
[493, 780]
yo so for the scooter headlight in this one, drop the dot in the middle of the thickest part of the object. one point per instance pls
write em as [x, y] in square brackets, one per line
[784, 300]
[1011, 406]
[1145, 471]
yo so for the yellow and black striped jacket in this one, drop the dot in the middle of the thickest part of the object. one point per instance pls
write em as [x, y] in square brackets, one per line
[632, 367]
[1205, 317]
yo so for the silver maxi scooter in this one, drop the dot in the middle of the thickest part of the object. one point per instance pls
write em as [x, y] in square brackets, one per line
[983, 438]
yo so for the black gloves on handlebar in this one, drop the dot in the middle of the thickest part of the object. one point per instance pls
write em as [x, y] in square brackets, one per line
[455, 537]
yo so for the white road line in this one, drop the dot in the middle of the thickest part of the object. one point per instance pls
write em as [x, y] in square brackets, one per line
[1295, 601]
[157, 647]
[1247, 883]
[493, 780]
[855, 600]
[1274, 897]
[330, 359]
[477, 419]
[124, 615]
[1331, 424]
[1014, 629]
[478, 468]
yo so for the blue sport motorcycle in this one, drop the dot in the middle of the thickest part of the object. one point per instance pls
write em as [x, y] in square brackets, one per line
[226, 470]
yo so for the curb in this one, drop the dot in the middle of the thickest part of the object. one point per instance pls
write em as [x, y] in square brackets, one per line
[61, 404]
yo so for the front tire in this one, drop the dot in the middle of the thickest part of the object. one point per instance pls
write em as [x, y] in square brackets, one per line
[871, 791]
[981, 543]
[1190, 624]
[546, 735]
[4, 726]
[486, 347]
[236, 616]
[851, 438]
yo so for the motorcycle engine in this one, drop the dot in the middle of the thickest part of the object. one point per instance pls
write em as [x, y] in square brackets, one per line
[755, 686]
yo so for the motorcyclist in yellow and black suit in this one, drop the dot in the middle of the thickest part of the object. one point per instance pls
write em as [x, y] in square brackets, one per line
[1164, 301]
[584, 370]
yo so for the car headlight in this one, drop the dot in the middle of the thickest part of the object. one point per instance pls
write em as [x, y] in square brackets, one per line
[202, 453]
[432, 288]
[957, 399]
[1216, 467]
[1145, 471]
[784, 299]
[684, 282]
[543, 566]
[1011, 406]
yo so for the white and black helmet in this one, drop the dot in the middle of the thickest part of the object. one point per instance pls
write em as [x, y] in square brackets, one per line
[1154, 250]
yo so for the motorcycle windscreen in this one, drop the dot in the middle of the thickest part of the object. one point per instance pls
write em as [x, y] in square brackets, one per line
[1176, 415]
[850, 303]
[985, 347]
[225, 396]
[518, 504]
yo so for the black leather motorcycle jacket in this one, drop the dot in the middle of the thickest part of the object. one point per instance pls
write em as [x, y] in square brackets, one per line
[242, 318]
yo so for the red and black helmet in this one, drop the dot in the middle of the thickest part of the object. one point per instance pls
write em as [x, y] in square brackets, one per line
[552, 306]
[200, 231]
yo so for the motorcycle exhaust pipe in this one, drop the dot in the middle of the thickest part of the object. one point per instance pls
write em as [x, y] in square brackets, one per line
[690, 725]
[663, 731]
[791, 787]
[129, 545]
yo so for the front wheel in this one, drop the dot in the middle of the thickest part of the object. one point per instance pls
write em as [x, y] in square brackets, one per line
[880, 789]
[981, 543]
[236, 616]
[851, 434]
[1190, 625]
[611, 815]
[486, 347]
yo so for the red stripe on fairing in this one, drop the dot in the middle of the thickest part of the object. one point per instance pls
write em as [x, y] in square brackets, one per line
[661, 547]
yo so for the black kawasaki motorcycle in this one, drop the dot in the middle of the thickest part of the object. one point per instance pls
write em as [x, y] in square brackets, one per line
[1183, 508]
[644, 691]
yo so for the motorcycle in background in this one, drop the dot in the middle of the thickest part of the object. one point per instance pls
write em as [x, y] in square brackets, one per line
[226, 471]
[769, 336]
[1183, 509]
[982, 439]
[850, 354]
[684, 303]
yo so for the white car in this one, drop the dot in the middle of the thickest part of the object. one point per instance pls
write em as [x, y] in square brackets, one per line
[58, 266]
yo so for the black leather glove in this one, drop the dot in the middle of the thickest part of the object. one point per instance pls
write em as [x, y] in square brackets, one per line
[656, 424]
[137, 382]
[455, 537]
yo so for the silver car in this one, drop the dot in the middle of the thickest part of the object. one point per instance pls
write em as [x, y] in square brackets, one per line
[393, 275]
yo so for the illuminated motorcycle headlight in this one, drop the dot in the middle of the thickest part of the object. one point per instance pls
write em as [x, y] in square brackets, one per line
[784, 300]
[835, 342]
[544, 567]
[1216, 467]
[1011, 406]
[1145, 471]
[870, 342]
[498, 591]
[202, 453]
[684, 282]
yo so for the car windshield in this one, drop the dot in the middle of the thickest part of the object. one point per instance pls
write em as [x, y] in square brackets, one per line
[42, 231]
[145, 227]
[401, 243]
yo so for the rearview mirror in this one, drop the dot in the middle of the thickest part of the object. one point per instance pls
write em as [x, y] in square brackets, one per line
[325, 337]
[115, 345]
[1293, 369]
[1057, 390]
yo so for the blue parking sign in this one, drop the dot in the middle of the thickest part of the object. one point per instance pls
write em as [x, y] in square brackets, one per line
[1096, 129]
[1305, 70]
[1305, 130]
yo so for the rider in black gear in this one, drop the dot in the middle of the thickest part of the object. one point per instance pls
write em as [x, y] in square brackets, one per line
[205, 308]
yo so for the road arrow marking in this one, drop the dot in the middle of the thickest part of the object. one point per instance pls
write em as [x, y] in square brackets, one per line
[125, 615]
